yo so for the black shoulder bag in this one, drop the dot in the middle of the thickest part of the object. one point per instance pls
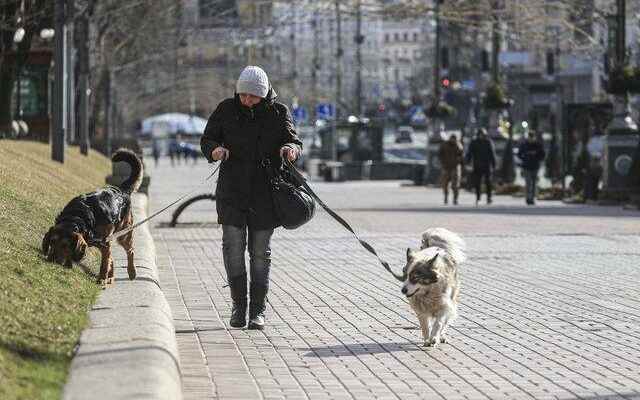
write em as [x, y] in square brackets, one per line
[294, 207]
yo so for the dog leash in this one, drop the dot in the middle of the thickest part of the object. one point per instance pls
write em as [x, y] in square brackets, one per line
[116, 235]
[341, 220]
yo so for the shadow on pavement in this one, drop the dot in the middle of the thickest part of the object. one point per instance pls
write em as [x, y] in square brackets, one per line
[577, 211]
[360, 349]
[612, 396]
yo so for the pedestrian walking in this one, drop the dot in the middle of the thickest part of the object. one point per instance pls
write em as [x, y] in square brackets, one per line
[155, 151]
[173, 151]
[243, 131]
[531, 153]
[451, 158]
[482, 154]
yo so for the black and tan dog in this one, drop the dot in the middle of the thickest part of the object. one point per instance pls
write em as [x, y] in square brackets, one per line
[89, 219]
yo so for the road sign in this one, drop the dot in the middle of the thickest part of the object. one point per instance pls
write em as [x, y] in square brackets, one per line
[299, 114]
[324, 111]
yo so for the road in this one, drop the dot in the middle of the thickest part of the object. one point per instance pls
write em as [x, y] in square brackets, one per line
[550, 305]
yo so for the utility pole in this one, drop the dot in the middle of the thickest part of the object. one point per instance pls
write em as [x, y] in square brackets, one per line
[58, 134]
[494, 117]
[192, 84]
[338, 92]
[316, 62]
[339, 54]
[436, 61]
[621, 38]
[82, 40]
[495, 41]
[107, 112]
[70, 62]
[21, 56]
[294, 55]
[359, 39]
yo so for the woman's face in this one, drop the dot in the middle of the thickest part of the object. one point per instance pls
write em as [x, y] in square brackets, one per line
[249, 100]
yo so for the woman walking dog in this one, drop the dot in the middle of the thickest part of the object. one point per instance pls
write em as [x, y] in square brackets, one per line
[244, 131]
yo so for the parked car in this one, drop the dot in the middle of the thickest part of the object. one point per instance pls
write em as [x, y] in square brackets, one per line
[404, 134]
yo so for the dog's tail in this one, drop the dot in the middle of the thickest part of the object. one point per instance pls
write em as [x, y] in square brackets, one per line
[453, 244]
[135, 179]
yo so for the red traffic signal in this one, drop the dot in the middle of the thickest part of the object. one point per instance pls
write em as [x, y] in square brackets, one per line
[445, 82]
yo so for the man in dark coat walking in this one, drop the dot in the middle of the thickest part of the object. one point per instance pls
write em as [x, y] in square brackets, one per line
[482, 153]
[244, 131]
[531, 153]
[451, 158]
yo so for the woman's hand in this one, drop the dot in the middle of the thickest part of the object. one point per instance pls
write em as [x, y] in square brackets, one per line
[219, 153]
[289, 152]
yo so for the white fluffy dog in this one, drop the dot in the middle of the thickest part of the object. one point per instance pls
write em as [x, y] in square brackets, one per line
[432, 284]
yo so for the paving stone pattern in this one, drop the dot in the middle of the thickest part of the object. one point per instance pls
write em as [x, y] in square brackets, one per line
[550, 305]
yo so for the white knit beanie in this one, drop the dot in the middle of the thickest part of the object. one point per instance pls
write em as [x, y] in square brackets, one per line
[253, 80]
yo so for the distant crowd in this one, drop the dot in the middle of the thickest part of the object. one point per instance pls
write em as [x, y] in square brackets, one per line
[176, 150]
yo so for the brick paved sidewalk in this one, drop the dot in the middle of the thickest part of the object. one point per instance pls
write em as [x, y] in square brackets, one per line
[548, 315]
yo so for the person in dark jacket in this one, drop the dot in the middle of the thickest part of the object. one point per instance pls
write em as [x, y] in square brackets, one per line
[482, 153]
[451, 158]
[244, 132]
[531, 153]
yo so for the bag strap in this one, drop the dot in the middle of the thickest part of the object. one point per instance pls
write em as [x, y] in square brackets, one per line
[340, 220]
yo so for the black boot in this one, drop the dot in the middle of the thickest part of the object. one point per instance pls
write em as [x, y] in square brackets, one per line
[257, 305]
[238, 286]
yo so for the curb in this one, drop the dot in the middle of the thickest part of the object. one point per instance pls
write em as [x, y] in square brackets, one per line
[129, 349]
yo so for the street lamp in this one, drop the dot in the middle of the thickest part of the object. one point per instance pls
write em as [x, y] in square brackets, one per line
[621, 137]
[19, 35]
[47, 34]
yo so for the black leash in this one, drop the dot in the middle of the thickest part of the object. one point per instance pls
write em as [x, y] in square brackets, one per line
[341, 220]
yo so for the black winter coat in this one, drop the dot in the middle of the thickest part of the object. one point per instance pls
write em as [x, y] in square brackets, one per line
[243, 195]
[482, 153]
[531, 154]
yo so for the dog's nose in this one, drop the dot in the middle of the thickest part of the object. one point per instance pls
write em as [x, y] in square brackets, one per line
[404, 290]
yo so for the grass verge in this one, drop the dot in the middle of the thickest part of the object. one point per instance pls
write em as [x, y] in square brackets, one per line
[43, 306]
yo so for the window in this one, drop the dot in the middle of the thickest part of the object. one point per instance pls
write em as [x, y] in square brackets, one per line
[33, 91]
[386, 38]
[415, 36]
[217, 12]
[264, 14]
[405, 37]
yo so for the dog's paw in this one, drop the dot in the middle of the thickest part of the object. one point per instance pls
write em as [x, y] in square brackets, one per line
[102, 283]
[111, 280]
[431, 343]
[132, 273]
[443, 339]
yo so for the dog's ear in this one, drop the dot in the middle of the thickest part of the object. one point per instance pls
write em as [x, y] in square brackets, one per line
[410, 255]
[80, 247]
[46, 243]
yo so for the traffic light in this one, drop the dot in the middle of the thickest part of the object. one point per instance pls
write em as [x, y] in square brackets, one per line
[550, 63]
[445, 82]
[445, 57]
[484, 60]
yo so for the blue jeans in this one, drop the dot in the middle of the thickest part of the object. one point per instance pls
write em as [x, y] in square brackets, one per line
[234, 245]
[531, 180]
